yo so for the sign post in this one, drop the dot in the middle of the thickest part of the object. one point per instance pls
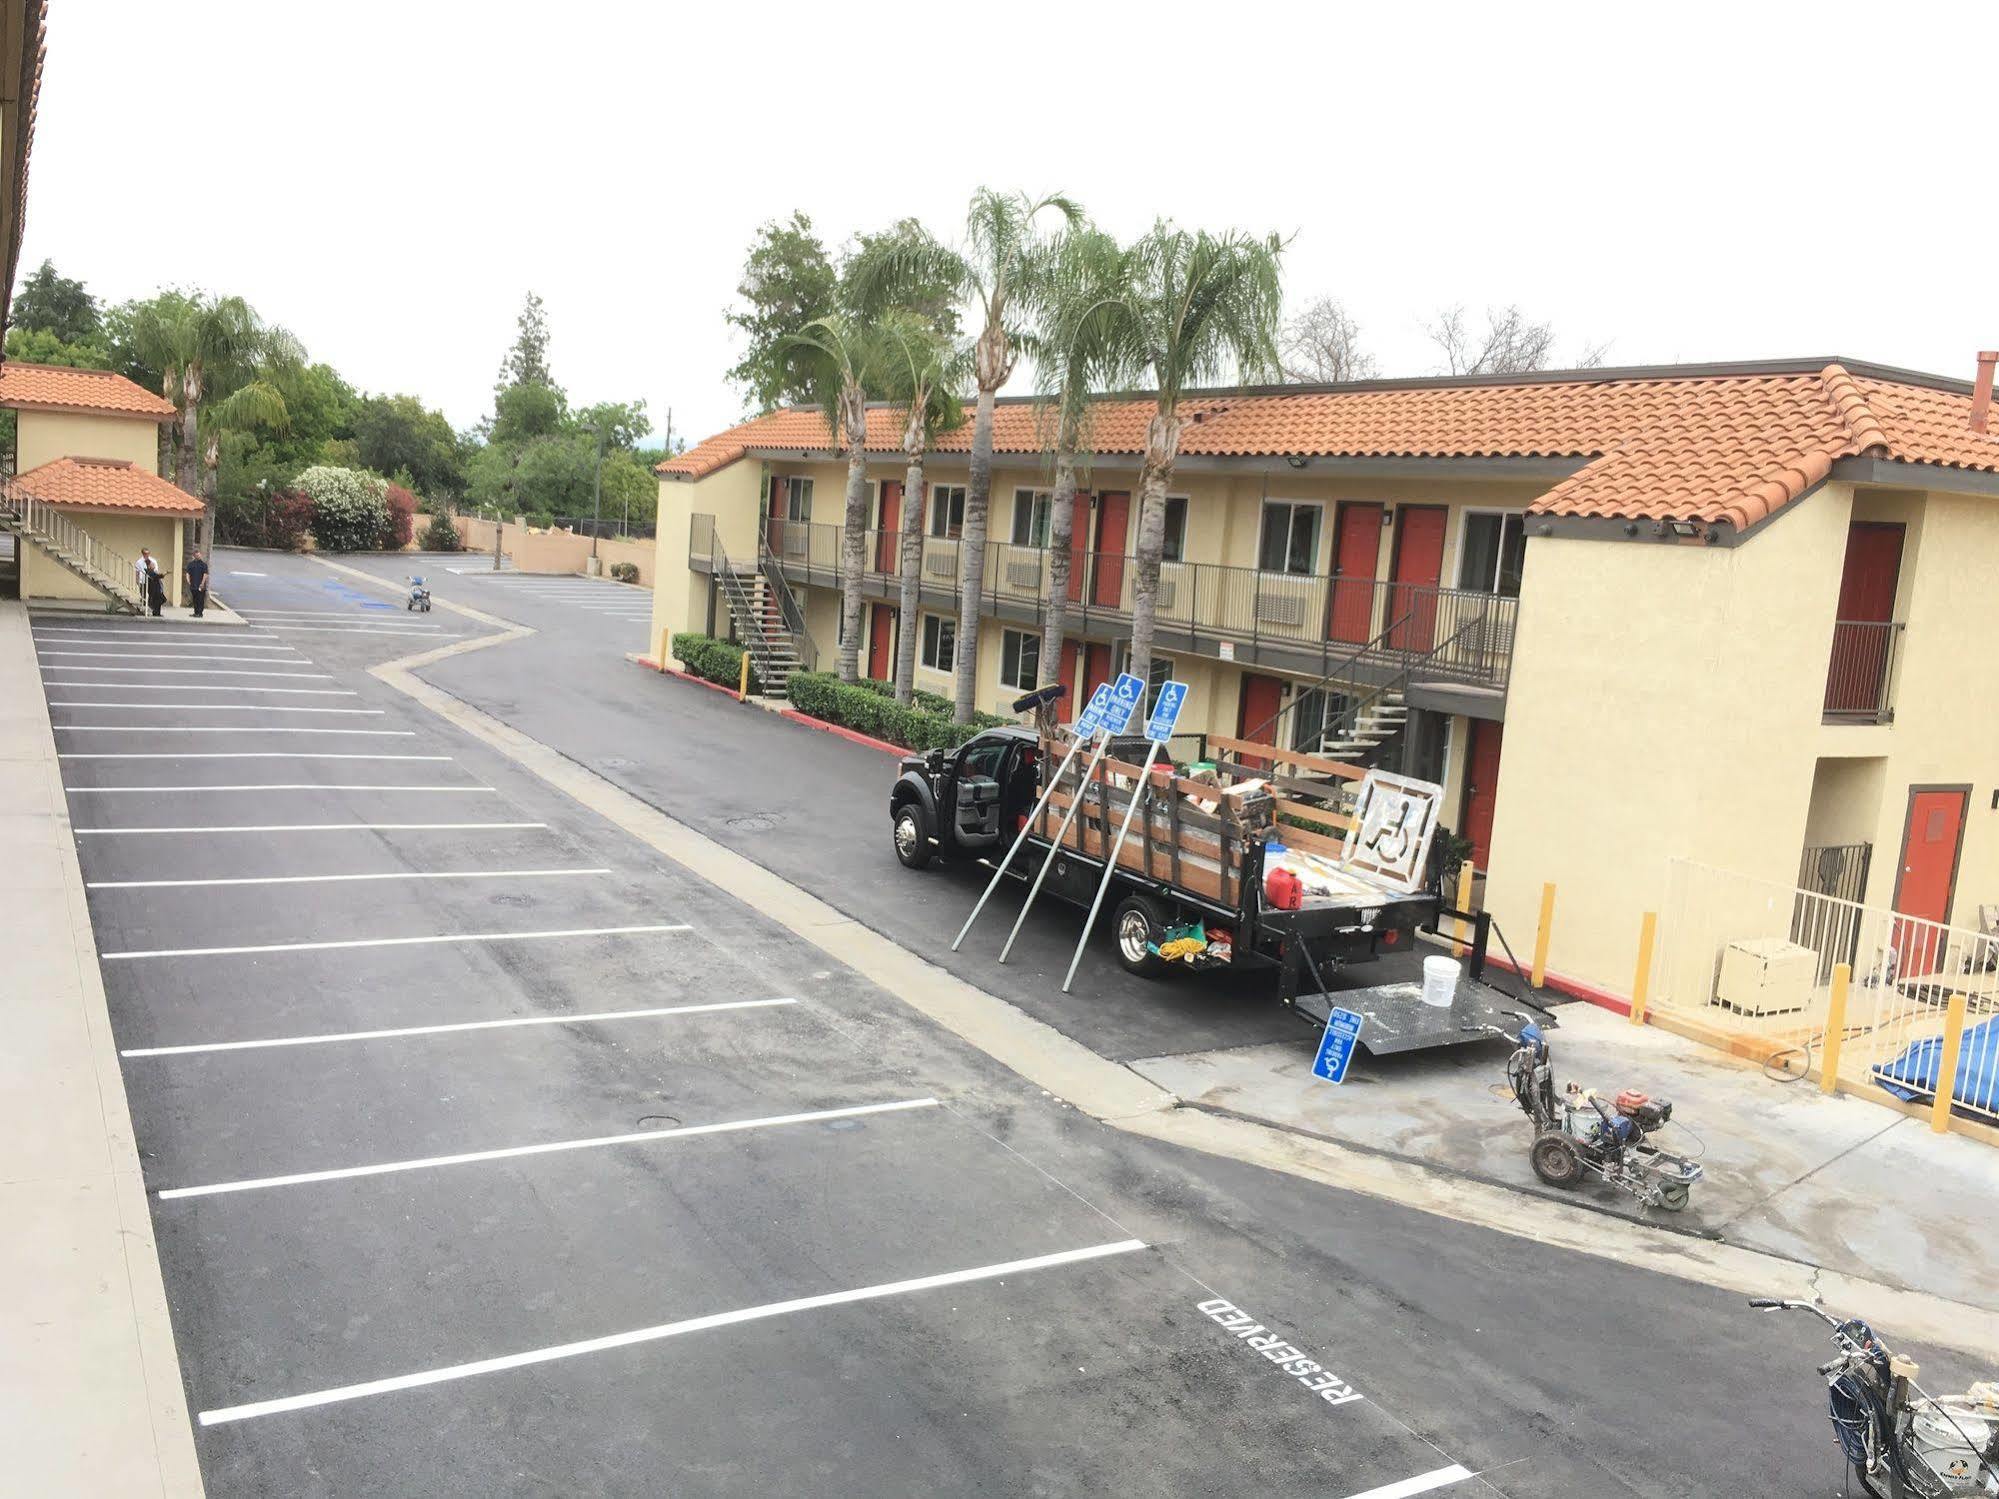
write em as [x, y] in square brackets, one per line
[1086, 727]
[1159, 728]
[1120, 698]
[1336, 1046]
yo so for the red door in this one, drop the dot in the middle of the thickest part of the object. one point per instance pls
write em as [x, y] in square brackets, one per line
[1926, 880]
[1481, 788]
[1079, 545]
[1071, 653]
[1419, 568]
[1113, 520]
[1356, 554]
[881, 644]
[774, 535]
[1854, 681]
[888, 517]
[1262, 697]
[1096, 666]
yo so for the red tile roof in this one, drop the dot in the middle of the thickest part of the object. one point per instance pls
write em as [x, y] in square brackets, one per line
[106, 484]
[50, 387]
[1705, 445]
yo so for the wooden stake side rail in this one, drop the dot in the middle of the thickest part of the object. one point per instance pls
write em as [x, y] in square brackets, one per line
[1311, 813]
[1207, 864]
[1317, 764]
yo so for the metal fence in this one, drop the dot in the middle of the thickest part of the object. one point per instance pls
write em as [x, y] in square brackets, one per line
[1755, 959]
[1860, 677]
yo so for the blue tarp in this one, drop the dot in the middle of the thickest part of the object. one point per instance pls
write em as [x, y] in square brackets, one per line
[1914, 1073]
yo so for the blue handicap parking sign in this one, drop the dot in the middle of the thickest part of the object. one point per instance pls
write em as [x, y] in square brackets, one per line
[1093, 715]
[1336, 1047]
[1126, 694]
[1166, 712]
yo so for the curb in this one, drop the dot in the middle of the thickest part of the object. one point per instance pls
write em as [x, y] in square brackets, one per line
[1561, 983]
[841, 731]
[686, 676]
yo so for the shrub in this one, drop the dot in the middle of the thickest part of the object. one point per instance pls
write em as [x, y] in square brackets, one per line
[711, 659]
[288, 521]
[868, 710]
[350, 508]
[625, 572]
[441, 535]
[929, 702]
[402, 516]
[541, 520]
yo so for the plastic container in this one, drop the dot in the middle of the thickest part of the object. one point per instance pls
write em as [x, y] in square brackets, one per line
[1283, 889]
[1440, 981]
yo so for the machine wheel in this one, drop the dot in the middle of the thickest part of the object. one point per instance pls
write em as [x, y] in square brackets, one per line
[409, 603]
[1674, 1198]
[1137, 924]
[1556, 1160]
[912, 844]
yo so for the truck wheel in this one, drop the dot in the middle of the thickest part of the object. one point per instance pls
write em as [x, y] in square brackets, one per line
[1137, 925]
[1556, 1160]
[912, 844]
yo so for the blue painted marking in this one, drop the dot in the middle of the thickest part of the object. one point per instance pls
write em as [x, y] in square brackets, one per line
[1336, 1047]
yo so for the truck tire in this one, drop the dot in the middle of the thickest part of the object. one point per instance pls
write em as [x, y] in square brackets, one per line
[912, 844]
[1135, 927]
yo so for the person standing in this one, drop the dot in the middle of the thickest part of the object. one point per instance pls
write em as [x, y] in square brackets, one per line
[156, 582]
[142, 567]
[197, 583]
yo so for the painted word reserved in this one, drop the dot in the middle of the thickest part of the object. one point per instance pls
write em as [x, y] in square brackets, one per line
[1315, 1377]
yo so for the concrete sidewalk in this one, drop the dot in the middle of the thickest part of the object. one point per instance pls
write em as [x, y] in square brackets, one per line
[1837, 1182]
[91, 1400]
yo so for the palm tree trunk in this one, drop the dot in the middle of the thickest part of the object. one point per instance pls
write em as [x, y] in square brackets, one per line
[972, 556]
[911, 563]
[1162, 446]
[1061, 561]
[188, 467]
[853, 554]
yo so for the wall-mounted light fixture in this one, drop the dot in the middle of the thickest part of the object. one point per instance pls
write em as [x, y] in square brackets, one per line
[1297, 460]
[1685, 528]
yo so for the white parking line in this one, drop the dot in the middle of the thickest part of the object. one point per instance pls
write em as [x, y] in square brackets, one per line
[237, 755]
[234, 657]
[364, 630]
[333, 879]
[269, 786]
[214, 952]
[190, 671]
[150, 642]
[148, 728]
[362, 611]
[663, 1330]
[187, 687]
[220, 707]
[547, 1147]
[1422, 1483]
[592, 1018]
[318, 827]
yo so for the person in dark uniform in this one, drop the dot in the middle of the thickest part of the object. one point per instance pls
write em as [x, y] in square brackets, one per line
[197, 583]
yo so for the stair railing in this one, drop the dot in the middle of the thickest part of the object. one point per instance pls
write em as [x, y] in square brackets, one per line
[788, 606]
[71, 544]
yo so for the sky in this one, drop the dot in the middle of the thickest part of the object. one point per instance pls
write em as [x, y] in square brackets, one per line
[1686, 182]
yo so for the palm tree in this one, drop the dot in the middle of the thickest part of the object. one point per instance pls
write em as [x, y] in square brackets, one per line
[924, 369]
[1198, 308]
[1079, 285]
[847, 361]
[219, 363]
[1002, 247]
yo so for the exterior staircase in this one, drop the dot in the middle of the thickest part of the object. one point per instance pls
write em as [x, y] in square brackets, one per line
[1369, 730]
[64, 542]
[769, 622]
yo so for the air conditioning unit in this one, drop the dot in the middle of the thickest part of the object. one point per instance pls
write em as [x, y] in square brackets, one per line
[1023, 574]
[1280, 608]
[1763, 976]
[1169, 589]
[940, 565]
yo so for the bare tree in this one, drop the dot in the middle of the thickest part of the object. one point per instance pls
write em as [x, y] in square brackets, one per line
[1321, 345]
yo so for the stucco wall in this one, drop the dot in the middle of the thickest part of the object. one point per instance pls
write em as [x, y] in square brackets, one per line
[42, 436]
[42, 578]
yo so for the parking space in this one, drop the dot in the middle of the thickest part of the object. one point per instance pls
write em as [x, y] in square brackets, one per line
[489, 1156]
[619, 612]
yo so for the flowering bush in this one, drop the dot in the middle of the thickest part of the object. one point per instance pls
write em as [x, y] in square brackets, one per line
[350, 508]
[288, 520]
[402, 516]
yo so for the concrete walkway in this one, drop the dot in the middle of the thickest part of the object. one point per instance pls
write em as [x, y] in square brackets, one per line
[1837, 1182]
[90, 1387]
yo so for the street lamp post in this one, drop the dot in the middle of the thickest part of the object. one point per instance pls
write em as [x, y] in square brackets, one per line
[597, 496]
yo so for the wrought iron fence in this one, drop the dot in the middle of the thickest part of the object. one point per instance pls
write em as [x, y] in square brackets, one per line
[1860, 678]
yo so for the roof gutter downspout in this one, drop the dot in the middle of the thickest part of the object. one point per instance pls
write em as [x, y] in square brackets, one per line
[1981, 392]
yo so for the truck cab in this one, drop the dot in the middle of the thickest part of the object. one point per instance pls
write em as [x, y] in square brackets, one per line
[965, 802]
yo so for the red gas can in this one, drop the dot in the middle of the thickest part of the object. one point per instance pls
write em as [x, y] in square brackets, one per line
[1282, 890]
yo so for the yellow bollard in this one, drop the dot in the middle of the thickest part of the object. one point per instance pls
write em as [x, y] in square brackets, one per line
[743, 683]
[1464, 927]
[1641, 982]
[665, 640]
[1835, 1029]
[1540, 975]
[1953, 1045]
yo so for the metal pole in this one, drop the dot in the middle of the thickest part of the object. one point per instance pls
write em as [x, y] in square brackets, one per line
[597, 493]
[1000, 873]
[1082, 787]
[1143, 788]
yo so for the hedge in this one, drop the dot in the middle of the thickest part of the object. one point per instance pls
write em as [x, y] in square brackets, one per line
[714, 660]
[929, 702]
[868, 710]
[625, 572]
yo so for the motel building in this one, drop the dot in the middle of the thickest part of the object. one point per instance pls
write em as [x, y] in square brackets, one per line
[1743, 614]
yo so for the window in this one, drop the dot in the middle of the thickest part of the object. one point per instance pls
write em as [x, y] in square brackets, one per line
[1175, 549]
[1020, 660]
[1290, 537]
[983, 757]
[1315, 713]
[940, 642]
[1030, 517]
[1162, 671]
[1494, 547]
[797, 497]
[947, 511]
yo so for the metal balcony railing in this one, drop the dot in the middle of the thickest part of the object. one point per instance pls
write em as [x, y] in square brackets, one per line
[1860, 679]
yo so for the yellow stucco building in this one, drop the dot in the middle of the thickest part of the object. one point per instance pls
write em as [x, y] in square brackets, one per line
[1624, 616]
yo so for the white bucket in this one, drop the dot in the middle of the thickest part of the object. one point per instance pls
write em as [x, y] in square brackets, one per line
[1440, 981]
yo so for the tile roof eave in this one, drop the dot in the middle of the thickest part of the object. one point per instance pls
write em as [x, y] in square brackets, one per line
[72, 408]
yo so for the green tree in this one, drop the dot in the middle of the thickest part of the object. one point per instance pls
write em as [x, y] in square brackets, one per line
[1003, 245]
[40, 346]
[788, 281]
[49, 303]
[399, 433]
[526, 362]
[1196, 309]
[923, 368]
[524, 412]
